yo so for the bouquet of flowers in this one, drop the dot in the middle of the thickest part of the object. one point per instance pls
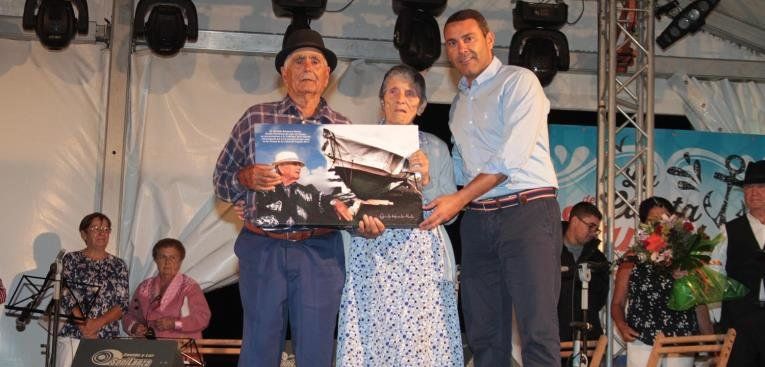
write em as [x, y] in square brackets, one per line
[675, 244]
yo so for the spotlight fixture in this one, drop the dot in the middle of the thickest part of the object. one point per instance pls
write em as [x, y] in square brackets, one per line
[416, 34]
[689, 20]
[170, 23]
[301, 12]
[54, 21]
[537, 44]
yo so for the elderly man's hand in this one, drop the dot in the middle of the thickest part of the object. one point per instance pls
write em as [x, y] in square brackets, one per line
[370, 227]
[259, 177]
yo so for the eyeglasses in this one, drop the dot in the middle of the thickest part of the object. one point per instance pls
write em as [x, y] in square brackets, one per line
[171, 258]
[101, 229]
[591, 226]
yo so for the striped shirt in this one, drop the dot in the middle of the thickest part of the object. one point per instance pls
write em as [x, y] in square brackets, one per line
[239, 151]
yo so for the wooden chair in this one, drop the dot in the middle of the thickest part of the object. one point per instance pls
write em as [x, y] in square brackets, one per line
[219, 346]
[595, 350]
[722, 343]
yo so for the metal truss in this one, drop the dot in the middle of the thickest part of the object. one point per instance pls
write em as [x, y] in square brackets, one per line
[625, 100]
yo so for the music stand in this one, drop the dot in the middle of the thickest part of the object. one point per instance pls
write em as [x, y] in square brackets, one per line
[29, 294]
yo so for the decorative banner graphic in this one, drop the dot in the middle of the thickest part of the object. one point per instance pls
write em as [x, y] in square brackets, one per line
[699, 172]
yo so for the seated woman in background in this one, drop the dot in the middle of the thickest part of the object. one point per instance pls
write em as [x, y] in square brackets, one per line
[645, 290]
[98, 278]
[170, 304]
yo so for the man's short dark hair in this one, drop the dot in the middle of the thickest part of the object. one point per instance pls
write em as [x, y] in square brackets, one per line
[168, 243]
[583, 208]
[85, 222]
[466, 14]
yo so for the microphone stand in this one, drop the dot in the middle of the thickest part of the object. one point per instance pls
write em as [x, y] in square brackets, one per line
[54, 317]
[579, 354]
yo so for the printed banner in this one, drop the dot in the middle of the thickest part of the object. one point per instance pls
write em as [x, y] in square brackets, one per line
[699, 172]
[334, 174]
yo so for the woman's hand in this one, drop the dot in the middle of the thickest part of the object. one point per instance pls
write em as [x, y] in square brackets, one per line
[89, 328]
[165, 323]
[628, 334]
[370, 227]
[138, 329]
[418, 162]
[677, 273]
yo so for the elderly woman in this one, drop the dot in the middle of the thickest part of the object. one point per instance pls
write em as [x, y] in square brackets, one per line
[171, 304]
[648, 289]
[94, 278]
[399, 304]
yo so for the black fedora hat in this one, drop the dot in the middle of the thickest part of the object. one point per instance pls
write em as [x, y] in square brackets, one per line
[300, 38]
[755, 173]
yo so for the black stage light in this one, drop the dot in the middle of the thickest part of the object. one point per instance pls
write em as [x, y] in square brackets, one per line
[170, 23]
[537, 44]
[313, 9]
[689, 20]
[54, 21]
[301, 12]
[416, 34]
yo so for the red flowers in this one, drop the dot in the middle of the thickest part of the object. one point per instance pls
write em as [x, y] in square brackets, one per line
[688, 226]
[655, 242]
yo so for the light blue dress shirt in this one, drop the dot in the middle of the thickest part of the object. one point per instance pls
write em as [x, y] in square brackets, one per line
[499, 125]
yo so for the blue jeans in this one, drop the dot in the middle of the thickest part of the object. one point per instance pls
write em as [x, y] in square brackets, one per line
[281, 280]
[511, 258]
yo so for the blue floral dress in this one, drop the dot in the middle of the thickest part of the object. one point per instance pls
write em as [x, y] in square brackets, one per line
[399, 303]
[98, 286]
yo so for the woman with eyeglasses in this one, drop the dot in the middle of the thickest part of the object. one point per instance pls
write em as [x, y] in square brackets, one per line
[96, 289]
[170, 304]
[639, 305]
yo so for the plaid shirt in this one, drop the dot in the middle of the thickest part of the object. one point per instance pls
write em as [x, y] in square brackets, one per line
[239, 151]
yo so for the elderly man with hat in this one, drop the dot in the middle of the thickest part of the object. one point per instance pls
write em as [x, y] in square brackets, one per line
[742, 258]
[296, 274]
[291, 203]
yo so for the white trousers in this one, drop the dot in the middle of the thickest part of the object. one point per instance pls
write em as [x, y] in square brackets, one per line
[638, 353]
[67, 347]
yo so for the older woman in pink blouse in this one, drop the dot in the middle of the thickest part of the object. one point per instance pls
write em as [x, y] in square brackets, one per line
[170, 304]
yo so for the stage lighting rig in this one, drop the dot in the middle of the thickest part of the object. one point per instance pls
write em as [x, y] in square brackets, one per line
[54, 21]
[416, 34]
[689, 20]
[301, 12]
[170, 23]
[537, 44]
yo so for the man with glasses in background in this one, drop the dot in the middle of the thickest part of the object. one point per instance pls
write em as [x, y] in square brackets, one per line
[580, 246]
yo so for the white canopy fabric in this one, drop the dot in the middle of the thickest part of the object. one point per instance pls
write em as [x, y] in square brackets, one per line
[722, 105]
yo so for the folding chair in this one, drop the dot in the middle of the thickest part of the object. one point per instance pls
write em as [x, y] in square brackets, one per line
[722, 343]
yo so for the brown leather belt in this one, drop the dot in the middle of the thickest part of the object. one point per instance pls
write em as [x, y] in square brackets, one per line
[518, 198]
[293, 236]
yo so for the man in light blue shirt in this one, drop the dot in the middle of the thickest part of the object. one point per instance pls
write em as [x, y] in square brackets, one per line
[511, 239]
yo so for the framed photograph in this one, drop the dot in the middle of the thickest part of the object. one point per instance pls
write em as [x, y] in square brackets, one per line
[334, 174]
